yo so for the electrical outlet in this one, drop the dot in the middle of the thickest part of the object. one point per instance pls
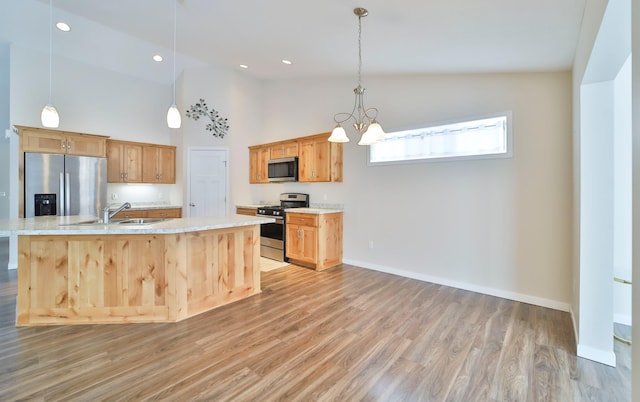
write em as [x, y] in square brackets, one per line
[114, 196]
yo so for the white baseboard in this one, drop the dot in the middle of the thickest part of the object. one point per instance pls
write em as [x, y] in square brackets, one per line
[597, 355]
[537, 301]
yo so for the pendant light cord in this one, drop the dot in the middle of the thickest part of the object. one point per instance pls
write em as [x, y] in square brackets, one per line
[359, 50]
[174, 50]
[50, 44]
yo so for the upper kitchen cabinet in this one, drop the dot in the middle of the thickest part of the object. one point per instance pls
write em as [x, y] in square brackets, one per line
[159, 164]
[320, 160]
[124, 162]
[286, 149]
[61, 142]
[258, 160]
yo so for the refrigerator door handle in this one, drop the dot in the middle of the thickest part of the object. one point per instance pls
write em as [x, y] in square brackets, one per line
[67, 195]
[62, 195]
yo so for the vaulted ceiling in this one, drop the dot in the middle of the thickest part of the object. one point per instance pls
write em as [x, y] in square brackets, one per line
[398, 37]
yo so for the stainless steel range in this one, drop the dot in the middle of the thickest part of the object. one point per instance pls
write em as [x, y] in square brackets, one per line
[272, 235]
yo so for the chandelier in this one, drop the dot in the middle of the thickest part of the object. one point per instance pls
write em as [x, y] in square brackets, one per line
[364, 119]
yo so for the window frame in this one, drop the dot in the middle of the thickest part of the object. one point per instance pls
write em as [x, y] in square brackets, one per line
[436, 159]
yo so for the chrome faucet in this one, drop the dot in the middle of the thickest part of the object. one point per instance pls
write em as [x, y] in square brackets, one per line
[107, 214]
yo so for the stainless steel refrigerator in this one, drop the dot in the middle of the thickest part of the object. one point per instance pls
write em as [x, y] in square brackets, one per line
[64, 185]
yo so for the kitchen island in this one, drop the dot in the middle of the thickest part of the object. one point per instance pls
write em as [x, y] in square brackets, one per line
[74, 272]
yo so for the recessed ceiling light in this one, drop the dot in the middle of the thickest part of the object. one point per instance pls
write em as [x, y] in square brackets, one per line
[285, 61]
[243, 66]
[157, 58]
[63, 26]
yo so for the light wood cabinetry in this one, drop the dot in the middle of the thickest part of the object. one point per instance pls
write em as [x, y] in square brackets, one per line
[314, 240]
[124, 162]
[320, 160]
[150, 213]
[246, 211]
[135, 162]
[258, 160]
[158, 164]
[61, 142]
[284, 150]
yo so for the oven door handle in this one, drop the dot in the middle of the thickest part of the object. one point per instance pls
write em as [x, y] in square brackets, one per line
[278, 219]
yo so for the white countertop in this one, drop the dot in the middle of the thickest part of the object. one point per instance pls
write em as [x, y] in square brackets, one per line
[64, 225]
[313, 211]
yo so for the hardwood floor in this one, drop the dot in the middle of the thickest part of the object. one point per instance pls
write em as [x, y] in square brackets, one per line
[345, 334]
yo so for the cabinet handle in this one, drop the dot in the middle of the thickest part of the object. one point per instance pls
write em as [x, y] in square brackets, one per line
[126, 175]
[68, 146]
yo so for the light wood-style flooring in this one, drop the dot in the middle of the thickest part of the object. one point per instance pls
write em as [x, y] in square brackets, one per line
[346, 334]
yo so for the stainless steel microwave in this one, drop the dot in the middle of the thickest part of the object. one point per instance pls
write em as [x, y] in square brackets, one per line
[283, 169]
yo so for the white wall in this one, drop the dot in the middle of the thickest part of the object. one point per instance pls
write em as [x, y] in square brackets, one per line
[604, 46]
[235, 96]
[622, 211]
[5, 189]
[635, 79]
[596, 218]
[499, 226]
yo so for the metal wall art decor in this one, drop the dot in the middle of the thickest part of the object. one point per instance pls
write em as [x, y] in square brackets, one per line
[218, 126]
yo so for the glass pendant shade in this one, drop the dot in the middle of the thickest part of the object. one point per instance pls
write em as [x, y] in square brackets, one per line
[49, 116]
[376, 131]
[174, 120]
[369, 137]
[338, 135]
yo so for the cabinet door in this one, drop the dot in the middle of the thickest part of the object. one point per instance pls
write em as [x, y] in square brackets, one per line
[284, 150]
[43, 141]
[115, 161]
[167, 165]
[302, 243]
[132, 163]
[86, 145]
[322, 161]
[258, 160]
[306, 163]
[150, 160]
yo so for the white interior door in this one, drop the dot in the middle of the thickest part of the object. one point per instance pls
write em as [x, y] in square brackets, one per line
[208, 182]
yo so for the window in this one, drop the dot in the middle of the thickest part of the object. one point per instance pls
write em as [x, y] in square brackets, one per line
[488, 137]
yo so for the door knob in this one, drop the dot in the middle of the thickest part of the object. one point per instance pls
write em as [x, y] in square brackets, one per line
[192, 205]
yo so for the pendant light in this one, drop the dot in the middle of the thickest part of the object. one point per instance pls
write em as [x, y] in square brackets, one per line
[49, 115]
[364, 119]
[174, 120]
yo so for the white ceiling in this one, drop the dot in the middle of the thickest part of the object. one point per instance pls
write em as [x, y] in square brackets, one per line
[398, 37]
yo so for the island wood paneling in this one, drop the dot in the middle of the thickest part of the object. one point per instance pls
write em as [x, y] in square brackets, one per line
[134, 278]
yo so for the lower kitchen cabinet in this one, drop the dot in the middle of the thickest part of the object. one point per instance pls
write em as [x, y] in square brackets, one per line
[150, 213]
[246, 211]
[314, 240]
